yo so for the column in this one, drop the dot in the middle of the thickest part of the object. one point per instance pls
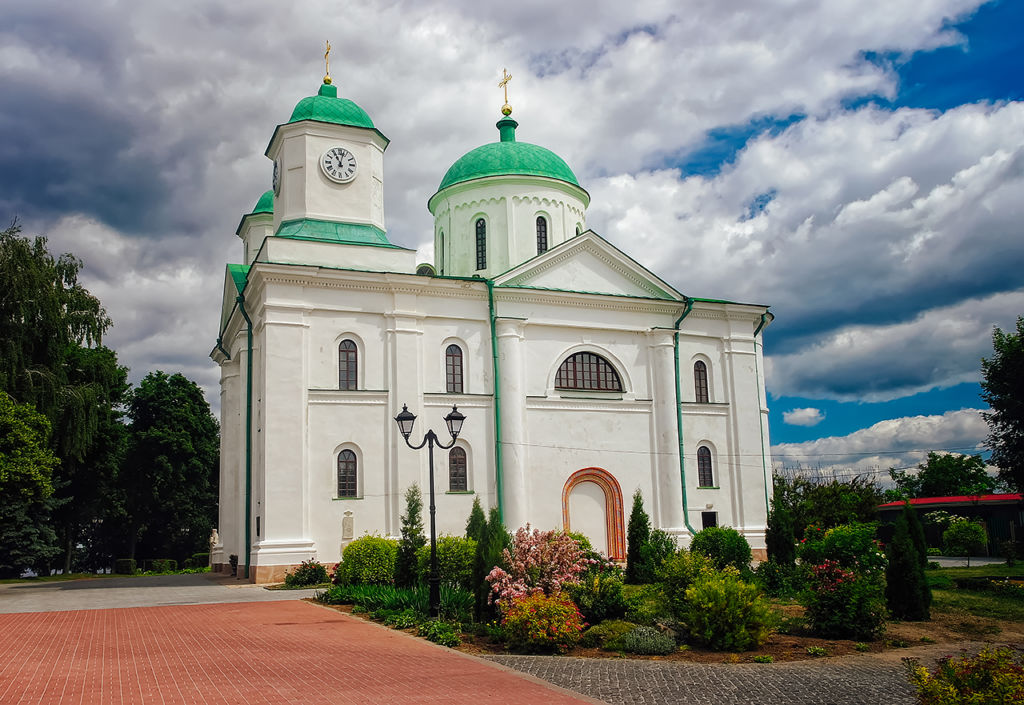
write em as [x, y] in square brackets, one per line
[667, 484]
[512, 383]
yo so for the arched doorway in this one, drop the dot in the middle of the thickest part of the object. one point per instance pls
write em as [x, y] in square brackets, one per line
[592, 504]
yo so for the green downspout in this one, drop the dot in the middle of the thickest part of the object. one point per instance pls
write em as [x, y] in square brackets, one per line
[760, 417]
[248, 435]
[498, 463]
[679, 412]
[220, 346]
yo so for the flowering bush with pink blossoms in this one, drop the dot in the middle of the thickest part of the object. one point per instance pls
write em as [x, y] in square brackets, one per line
[539, 563]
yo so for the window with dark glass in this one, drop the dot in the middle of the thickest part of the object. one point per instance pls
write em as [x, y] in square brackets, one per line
[347, 474]
[705, 477]
[700, 381]
[453, 369]
[542, 234]
[708, 519]
[348, 365]
[481, 244]
[457, 470]
[587, 371]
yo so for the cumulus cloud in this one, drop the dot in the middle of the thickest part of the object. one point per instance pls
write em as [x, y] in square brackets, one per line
[803, 417]
[901, 442]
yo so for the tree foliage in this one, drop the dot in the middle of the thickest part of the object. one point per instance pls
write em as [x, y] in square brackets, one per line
[780, 542]
[489, 554]
[1003, 389]
[945, 475]
[827, 504]
[906, 588]
[638, 535]
[406, 570]
[169, 477]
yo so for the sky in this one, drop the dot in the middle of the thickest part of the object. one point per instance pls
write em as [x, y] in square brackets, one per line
[857, 166]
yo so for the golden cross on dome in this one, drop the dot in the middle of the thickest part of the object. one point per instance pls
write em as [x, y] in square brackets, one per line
[506, 109]
[327, 64]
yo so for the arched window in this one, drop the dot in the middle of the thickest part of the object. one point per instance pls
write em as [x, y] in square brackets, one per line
[457, 470]
[705, 477]
[481, 244]
[700, 381]
[587, 371]
[542, 235]
[348, 365]
[347, 474]
[453, 369]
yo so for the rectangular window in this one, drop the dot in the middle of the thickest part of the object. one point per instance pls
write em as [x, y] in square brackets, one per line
[708, 519]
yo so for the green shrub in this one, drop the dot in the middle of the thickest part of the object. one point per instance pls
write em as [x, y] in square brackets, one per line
[852, 546]
[723, 545]
[678, 573]
[406, 573]
[600, 634]
[780, 580]
[993, 676]
[660, 547]
[454, 561]
[335, 595]
[844, 604]
[763, 658]
[726, 614]
[163, 565]
[542, 624]
[369, 560]
[906, 589]
[406, 619]
[780, 542]
[599, 597]
[582, 540]
[124, 566]
[817, 651]
[440, 632]
[964, 538]
[643, 640]
[306, 573]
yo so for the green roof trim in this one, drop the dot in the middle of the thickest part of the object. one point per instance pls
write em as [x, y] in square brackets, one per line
[508, 158]
[265, 204]
[239, 274]
[326, 106]
[331, 231]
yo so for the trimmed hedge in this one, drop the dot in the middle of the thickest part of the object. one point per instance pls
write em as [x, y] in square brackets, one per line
[369, 560]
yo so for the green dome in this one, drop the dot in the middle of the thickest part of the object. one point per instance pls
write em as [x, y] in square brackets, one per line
[326, 106]
[265, 204]
[508, 158]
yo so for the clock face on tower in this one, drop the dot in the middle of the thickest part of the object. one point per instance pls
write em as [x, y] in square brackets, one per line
[338, 164]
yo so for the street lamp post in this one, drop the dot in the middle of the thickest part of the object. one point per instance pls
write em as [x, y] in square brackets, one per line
[454, 420]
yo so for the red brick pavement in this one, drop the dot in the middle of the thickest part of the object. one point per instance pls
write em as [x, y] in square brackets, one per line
[258, 652]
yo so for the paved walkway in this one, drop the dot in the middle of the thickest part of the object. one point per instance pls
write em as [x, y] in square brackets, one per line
[258, 653]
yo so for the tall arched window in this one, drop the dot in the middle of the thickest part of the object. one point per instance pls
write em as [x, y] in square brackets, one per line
[348, 365]
[587, 371]
[542, 234]
[457, 470]
[347, 474]
[453, 369]
[700, 381]
[705, 476]
[481, 244]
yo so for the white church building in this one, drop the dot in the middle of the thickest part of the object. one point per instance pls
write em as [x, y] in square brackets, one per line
[582, 375]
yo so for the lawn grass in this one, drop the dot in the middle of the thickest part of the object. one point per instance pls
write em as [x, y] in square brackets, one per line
[979, 604]
[1000, 570]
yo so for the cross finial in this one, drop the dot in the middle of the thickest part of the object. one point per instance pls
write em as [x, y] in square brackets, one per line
[506, 109]
[327, 64]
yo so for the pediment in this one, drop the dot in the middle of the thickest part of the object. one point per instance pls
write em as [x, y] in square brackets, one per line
[588, 264]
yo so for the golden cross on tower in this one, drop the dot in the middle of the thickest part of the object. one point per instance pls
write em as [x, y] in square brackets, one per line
[506, 109]
[327, 64]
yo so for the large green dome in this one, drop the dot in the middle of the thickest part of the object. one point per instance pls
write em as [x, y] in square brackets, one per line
[326, 106]
[508, 158]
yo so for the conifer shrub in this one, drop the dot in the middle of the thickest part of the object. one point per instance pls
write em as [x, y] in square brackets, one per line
[476, 524]
[370, 560]
[727, 614]
[639, 564]
[406, 563]
[454, 561]
[907, 592]
[600, 634]
[724, 546]
[306, 573]
[540, 623]
[993, 676]
[841, 603]
[647, 641]
[489, 555]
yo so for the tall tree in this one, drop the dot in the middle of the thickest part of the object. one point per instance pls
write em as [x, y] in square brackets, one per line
[906, 588]
[1003, 388]
[169, 476]
[945, 475]
[638, 536]
[827, 503]
[406, 564]
[26, 467]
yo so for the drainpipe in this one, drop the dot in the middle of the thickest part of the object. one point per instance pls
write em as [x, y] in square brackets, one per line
[499, 483]
[679, 412]
[760, 417]
[248, 434]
